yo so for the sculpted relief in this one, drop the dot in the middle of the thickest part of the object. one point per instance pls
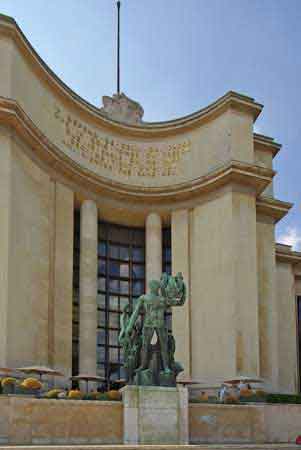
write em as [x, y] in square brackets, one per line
[118, 157]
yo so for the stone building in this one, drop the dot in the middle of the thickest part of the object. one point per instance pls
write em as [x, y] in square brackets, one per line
[96, 202]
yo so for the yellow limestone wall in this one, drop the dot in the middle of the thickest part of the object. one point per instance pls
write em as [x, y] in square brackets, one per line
[5, 171]
[224, 309]
[267, 301]
[60, 348]
[28, 284]
[36, 225]
[287, 328]
[27, 421]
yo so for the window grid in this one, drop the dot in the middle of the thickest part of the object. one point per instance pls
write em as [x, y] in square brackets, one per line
[121, 280]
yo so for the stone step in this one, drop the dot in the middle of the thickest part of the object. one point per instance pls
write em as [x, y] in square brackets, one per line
[268, 446]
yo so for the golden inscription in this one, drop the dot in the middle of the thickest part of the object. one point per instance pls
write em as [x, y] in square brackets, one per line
[142, 160]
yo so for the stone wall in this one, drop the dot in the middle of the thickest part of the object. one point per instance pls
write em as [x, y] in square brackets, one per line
[36, 421]
[256, 424]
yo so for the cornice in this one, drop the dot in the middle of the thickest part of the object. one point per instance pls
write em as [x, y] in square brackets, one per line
[271, 207]
[284, 253]
[266, 143]
[231, 100]
[12, 115]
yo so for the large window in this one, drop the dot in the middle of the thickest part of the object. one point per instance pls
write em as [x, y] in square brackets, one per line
[299, 336]
[166, 266]
[121, 280]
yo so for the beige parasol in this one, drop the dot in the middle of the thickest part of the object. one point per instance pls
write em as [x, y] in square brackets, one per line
[41, 370]
[187, 381]
[86, 377]
[243, 379]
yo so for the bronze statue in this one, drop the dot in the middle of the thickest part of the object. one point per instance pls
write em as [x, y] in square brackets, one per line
[157, 365]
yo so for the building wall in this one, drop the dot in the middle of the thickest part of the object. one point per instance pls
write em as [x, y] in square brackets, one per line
[224, 309]
[287, 328]
[5, 206]
[267, 301]
[36, 273]
[56, 149]
[60, 308]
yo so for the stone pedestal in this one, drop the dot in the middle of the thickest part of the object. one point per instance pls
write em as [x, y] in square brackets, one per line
[155, 415]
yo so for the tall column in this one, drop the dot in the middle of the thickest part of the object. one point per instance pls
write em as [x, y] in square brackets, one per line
[180, 263]
[88, 288]
[267, 302]
[153, 230]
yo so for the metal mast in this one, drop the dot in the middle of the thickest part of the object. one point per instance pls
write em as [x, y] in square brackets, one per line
[118, 49]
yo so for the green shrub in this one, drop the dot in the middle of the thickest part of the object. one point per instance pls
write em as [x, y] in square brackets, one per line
[252, 399]
[283, 398]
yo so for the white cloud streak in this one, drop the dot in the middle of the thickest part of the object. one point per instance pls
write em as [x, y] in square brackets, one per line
[291, 236]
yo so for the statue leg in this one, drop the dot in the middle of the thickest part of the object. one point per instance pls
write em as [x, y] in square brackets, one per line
[146, 340]
[163, 340]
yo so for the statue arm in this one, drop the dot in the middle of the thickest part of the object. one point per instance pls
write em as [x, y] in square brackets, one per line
[123, 327]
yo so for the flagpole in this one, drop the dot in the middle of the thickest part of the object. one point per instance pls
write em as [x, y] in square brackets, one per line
[118, 48]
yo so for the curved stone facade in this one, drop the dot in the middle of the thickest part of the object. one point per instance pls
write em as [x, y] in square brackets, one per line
[208, 176]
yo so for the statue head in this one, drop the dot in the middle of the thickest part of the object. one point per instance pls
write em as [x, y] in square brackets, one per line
[154, 286]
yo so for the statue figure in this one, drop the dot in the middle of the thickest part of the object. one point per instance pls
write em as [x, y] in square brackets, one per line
[131, 344]
[168, 292]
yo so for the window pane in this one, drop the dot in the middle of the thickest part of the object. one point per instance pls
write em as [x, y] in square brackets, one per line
[101, 318]
[101, 267]
[167, 254]
[101, 284]
[114, 320]
[124, 253]
[138, 237]
[138, 254]
[102, 249]
[114, 251]
[124, 287]
[167, 269]
[138, 287]
[114, 270]
[123, 302]
[101, 337]
[138, 271]
[113, 302]
[114, 285]
[124, 270]
[113, 337]
[101, 300]
[100, 352]
[113, 355]
[100, 370]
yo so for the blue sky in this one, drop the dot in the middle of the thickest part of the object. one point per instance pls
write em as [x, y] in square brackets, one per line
[179, 55]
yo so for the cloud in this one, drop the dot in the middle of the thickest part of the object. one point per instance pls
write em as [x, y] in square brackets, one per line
[291, 236]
